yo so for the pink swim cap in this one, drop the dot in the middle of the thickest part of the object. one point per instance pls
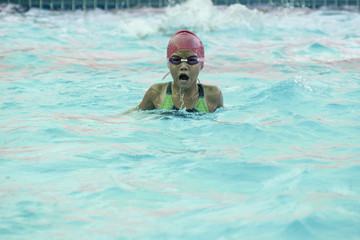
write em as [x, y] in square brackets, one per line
[184, 39]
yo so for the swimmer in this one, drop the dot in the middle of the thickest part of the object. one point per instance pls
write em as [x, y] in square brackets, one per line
[185, 54]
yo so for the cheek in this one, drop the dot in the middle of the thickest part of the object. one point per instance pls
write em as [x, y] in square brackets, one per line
[195, 70]
[173, 68]
[173, 71]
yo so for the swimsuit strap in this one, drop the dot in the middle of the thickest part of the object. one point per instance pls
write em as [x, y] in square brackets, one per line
[201, 90]
[168, 89]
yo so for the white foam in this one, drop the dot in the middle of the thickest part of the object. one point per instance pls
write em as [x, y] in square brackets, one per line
[194, 15]
[202, 15]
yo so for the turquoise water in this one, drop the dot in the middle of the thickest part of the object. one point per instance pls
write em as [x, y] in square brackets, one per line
[280, 161]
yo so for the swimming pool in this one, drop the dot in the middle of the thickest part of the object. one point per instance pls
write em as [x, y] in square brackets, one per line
[280, 161]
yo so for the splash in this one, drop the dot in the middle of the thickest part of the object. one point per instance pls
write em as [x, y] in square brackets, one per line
[208, 17]
[182, 98]
[189, 15]
[301, 81]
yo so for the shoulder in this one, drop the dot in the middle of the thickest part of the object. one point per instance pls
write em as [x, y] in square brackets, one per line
[152, 97]
[213, 96]
[212, 92]
[158, 87]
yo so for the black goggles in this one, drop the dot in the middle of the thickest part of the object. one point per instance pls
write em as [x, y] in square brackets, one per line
[190, 60]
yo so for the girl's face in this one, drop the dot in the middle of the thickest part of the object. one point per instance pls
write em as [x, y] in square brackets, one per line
[186, 73]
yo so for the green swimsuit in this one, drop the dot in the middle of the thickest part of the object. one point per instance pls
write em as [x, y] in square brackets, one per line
[168, 103]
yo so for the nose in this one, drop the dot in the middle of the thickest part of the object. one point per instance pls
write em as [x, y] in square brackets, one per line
[184, 66]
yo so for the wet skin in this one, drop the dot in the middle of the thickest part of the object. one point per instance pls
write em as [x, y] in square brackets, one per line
[185, 91]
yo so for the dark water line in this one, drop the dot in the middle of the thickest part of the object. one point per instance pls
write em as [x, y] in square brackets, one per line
[25, 5]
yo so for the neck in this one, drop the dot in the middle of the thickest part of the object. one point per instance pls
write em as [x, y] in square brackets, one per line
[190, 91]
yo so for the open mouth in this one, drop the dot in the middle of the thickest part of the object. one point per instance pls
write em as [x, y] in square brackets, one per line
[183, 77]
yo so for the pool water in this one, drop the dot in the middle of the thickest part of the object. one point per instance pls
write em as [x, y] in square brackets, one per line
[281, 160]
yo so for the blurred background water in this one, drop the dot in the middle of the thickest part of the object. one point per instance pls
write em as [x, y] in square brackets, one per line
[280, 161]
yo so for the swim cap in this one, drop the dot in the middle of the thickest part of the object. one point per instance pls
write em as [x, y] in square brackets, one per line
[184, 39]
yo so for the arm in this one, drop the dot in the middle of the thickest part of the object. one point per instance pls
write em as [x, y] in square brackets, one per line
[147, 102]
[219, 99]
[214, 98]
[150, 99]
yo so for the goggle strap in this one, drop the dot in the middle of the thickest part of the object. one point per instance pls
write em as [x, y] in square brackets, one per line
[165, 75]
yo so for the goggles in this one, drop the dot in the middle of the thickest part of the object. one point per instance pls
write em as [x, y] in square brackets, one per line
[190, 60]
